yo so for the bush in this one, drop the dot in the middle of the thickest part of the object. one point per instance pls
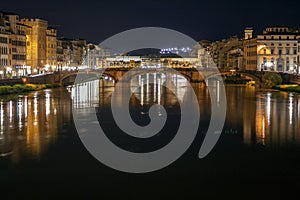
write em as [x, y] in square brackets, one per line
[288, 88]
[271, 79]
[19, 88]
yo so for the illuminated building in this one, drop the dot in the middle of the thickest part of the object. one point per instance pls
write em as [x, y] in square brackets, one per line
[16, 32]
[36, 44]
[277, 50]
[95, 56]
[228, 54]
[4, 50]
[59, 54]
[71, 53]
[250, 50]
[51, 50]
[298, 55]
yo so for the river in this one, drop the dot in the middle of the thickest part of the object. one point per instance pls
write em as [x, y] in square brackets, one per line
[258, 153]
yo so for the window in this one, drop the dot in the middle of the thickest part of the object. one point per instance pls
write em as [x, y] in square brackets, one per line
[272, 51]
[272, 44]
[288, 45]
[280, 51]
[279, 37]
[280, 44]
[287, 51]
[287, 37]
[295, 51]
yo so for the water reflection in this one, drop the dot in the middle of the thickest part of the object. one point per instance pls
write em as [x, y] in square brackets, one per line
[98, 92]
[268, 118]
[29, 124]
[276, 119]
[148, 87]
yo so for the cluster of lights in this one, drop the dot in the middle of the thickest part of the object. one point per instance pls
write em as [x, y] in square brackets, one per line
[175, 50]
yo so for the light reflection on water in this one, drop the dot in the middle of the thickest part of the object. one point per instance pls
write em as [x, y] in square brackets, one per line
[29, 123]
[268, 118]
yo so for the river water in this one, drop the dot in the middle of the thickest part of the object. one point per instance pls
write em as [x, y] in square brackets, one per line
[258, 154]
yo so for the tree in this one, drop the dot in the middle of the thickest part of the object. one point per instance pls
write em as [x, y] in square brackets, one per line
[271, 79]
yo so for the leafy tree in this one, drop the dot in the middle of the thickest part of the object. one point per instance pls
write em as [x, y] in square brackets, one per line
[271, 79]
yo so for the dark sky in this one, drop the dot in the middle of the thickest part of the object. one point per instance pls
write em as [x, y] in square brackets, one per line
[96, 20]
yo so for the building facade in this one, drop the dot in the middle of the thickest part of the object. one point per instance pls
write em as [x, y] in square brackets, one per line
[228, 54]
[277, 50]
[298, 55]
[36, 44]
[4, 50]
[71, 53]
[250, 51]
[13, 42]
[51, 50]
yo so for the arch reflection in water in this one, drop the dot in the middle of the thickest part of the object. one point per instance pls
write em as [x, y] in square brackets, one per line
[93, 93]
[149, 94]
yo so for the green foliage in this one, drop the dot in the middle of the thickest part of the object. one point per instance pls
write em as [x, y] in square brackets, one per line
[271, 79]
[291, 88]
[236, 79]
[19, 88]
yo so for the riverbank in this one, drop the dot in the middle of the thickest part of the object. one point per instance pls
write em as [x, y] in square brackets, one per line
[288, 88]
[20, 88]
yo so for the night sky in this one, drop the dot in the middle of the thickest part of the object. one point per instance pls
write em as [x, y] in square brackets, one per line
[96, 20]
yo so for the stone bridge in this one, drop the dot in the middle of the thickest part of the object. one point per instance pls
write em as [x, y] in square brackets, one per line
[191, 74]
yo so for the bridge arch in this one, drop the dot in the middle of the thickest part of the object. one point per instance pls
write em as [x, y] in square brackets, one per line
[248, 75]
[74, 74]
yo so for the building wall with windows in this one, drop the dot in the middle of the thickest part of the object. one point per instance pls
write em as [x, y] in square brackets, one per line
[277, 50]
[250, 51]
[59, 54]
[298, 54]
[51, 52]
[16, 46]
[36, 44]
[227, 54]
[73, 52]
[18, 51]
[4, 50]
